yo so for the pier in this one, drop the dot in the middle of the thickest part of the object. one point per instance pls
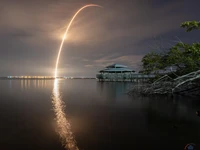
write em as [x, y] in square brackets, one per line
[121, 73]
[123, 77]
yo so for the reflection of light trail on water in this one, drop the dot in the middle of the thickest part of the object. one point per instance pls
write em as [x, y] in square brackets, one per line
[63, 125]
[65, 35]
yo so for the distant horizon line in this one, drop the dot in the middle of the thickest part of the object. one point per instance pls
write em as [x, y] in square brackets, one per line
[45, 77]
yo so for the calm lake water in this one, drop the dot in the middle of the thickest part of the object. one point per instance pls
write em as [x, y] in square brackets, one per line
[90, 115]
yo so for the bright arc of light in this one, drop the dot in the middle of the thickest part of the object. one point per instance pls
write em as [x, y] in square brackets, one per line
[65, 35]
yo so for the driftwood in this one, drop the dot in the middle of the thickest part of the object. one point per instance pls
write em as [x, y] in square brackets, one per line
[186, 84]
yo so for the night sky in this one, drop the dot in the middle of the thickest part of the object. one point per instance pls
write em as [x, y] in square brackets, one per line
[122, 32]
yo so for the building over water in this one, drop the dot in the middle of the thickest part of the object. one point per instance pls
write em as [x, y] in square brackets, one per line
[115, 72]
[118, 72]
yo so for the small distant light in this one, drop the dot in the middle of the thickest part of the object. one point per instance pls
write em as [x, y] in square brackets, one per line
[198, 113]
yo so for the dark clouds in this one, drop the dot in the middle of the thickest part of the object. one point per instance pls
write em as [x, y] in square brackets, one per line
[121, 32]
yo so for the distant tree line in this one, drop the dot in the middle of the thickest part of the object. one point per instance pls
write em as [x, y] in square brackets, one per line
[185, 58]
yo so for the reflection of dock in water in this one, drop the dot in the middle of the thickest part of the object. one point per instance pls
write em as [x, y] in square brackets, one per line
[112, 90]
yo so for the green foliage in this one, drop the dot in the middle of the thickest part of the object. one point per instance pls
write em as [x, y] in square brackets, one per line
[185, 57]
[191, 25]
[151, 62]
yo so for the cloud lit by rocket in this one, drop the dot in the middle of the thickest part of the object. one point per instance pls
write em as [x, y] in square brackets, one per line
[30, 34]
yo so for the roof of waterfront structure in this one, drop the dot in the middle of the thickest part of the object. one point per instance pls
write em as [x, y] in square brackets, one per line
[116, 68]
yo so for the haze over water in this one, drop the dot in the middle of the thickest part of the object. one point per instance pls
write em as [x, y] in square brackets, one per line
[100, 116]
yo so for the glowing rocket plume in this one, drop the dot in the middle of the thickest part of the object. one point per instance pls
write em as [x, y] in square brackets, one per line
[65, 35]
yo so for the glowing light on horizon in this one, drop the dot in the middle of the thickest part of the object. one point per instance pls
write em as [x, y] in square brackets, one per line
[63, 125]
[65, 34]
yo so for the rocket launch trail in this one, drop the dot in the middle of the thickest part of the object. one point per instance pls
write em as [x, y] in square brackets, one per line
[65, 34]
